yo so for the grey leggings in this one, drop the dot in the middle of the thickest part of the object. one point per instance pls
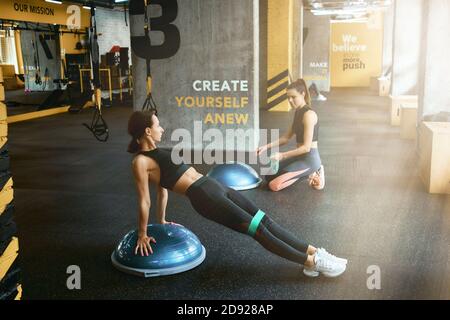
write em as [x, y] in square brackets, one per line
[294, 169]
[231, 209]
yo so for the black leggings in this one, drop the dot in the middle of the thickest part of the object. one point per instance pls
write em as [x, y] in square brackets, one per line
[231, 209]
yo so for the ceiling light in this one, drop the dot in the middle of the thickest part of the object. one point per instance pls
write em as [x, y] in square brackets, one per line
[328, 7]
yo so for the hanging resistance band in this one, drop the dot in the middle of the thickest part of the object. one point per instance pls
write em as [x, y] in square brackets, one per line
[149, 103]
[98, 126]
[254, 224]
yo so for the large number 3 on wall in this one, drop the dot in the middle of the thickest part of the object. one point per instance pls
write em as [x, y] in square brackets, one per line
[141, 45]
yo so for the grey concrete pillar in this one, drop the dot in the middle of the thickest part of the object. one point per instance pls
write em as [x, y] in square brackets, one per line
[316, 50]
[434, 90]
[407, 44]
[433, 115]
[388, 38]
[207, 78]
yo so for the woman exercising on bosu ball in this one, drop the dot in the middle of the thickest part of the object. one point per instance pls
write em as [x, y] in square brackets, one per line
[304, 161]
[211, 199]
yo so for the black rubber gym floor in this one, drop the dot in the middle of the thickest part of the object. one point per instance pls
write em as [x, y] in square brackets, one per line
[75, 199]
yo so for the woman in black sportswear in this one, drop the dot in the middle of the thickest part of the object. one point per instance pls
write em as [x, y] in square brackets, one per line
[304, 161]
[211, 199]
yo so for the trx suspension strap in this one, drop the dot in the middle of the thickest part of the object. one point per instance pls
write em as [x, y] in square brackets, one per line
[149, 103]
[98, 125]
[37, 77]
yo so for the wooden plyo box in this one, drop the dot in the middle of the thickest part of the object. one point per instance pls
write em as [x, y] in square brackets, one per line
[408, 122]
[380, 86]
[384, 87]
[7, 193]
[2, 93]
[3, 128]
[8, 257]
[396, 105]
[374, 84]
[434, 156]
[3, 112]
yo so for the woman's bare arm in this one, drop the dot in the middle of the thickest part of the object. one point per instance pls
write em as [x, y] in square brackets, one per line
[141, 178]
[284, 139]
[140, 171]
[163, 196]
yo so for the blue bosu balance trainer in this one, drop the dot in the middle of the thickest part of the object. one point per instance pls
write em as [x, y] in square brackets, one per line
[176, 250]
[236, 175]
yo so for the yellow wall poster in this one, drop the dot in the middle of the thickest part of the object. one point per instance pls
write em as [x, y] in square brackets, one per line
[67, 14]
[355, 55]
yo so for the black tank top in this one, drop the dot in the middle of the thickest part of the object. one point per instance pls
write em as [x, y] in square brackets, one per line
[169, 171]
[299, 129]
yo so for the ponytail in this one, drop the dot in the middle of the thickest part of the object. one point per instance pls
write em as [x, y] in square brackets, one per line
[133, 146]
[301, 86]
[139, 121]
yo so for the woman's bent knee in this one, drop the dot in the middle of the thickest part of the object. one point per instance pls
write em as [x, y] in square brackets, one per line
[274, 186]
[278, 186]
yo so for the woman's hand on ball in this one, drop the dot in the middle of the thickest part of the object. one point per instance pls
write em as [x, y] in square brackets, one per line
[143, 245]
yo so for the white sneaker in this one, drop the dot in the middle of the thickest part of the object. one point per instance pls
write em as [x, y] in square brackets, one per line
[321, 97]
[325, 266]
[320, 174]
[325, 254]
